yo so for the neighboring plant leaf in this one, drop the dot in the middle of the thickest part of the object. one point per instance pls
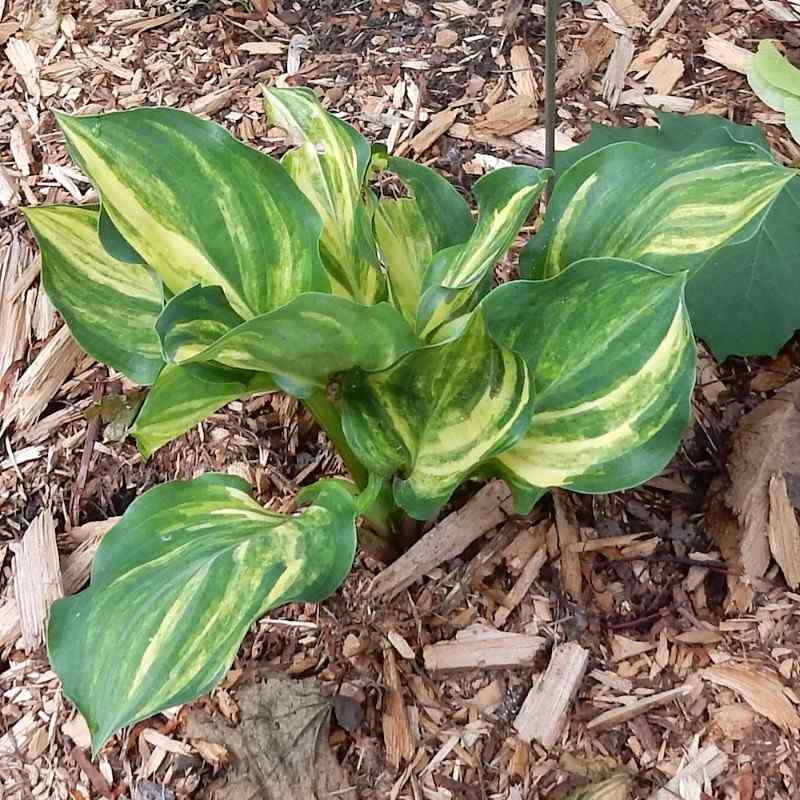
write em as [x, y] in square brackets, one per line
[176, 584]
[611, 354]
[110, 306]
[711, 210]
[302, 344]
[505, 198]
[330, 167]
[771, 76]
[185, 394]
[410, 230]
[437, 415]
[199, 206]
[114, 243]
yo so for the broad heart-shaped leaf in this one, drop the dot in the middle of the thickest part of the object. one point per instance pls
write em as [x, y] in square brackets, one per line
[505, 198]
[330, 167]
[185, 394]
[110, 306]
[410, 230]
[176, 584]
[742, 299]
[611, 355]
[199, 206]
[301, 345]
[437, 415]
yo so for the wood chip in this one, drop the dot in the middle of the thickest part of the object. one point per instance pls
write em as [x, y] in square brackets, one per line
[483, 647]
[213, 102]
[662, 20]
[520, 589]
[630, 12]
[263, 48]
[665, 102]
[762, 690]
[730, 55]
[665, 74]
[439, 125]
[614, 79]
[37, 578]
[511, 116]
[486, 510]
[401, 645]
[590, 53]
[523, 81]
[568, 536]
[544, 713]
[647, 59]
[396, 730]
[693, 778]
[616, 716]
[784, 532]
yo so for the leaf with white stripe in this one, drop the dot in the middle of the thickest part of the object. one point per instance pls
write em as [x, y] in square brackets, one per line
[505, 198]
[671, 210]
[200, 206]
[410, 230]
[185, 394]
[330, 166]
[302, 345]
[611, 354]
[438, 415]
[175, 586]
[110, 306]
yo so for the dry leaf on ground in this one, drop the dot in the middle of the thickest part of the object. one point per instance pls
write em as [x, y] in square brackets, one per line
[279, 749]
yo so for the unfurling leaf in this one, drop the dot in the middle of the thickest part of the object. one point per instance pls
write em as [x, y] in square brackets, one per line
[176, 584]
[611, 355]
[438, 414]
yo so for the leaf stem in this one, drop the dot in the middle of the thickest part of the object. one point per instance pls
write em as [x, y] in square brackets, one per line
[550, 89]
[328, 418]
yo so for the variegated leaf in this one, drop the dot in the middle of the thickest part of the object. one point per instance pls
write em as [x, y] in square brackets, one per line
[672, 211]
[110, 306]
[302, 344]
[185, 394]
[505, 198]
[438, 414]
[176, 584]
[201, 207]
[611, 354]
[330, 166]
[410, 230]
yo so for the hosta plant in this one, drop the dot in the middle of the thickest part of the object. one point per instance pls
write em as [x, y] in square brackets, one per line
[211, 271]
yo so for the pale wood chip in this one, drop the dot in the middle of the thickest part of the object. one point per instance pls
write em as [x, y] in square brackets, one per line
[761, 689]
[78, 730]
[616, 716]
[544, 713]
[694, 777]
[511, 116]
[37, 578]
[397, 736]
[647, 59]
[523, 80]
[263, 48]
[9, 190]
[614, 78]
[665, 102]
[662, 20]
[520, 589]
[784, 532]
[665, 75]
[22, 58]
[457, 8]
[722, 51]
[439, 125]
[213, 102]
[401, 645]
[485, 648]
[534, 139]
[157, 739]
[488, 508]
[20, 735]
[630, 12]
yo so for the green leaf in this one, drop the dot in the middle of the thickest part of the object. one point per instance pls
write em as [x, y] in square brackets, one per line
[175, 586]
[330, 167]
[741, 298]
[410, 230]
[302, 344]
[185, 394]
[110, 306]
[611, 354]
[199, 206]
[771, 76]
[505, 198]
[114, 243]
[437, 415]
